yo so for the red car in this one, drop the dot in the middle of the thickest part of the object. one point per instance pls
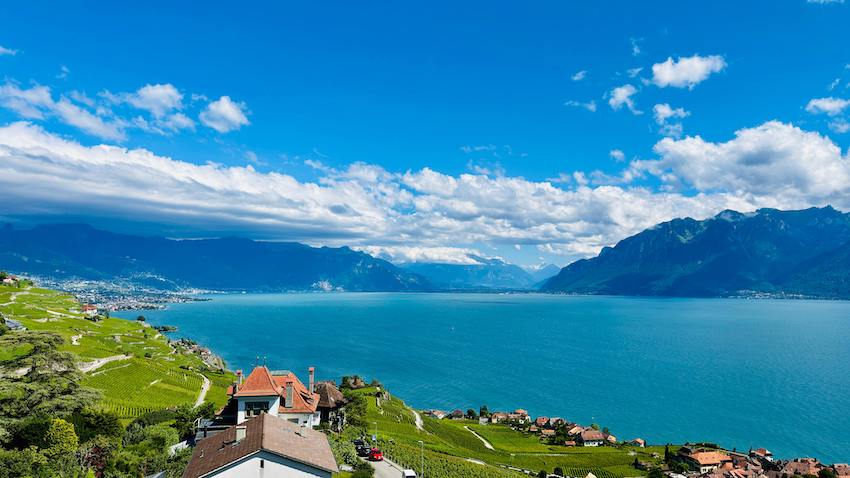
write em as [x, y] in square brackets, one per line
[376, 455]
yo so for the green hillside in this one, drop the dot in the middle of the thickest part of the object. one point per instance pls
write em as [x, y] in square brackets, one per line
[134, 367]
[451, 449]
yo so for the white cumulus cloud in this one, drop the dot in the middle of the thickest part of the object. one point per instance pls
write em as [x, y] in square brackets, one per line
[831, 106]
[225, 115]
[622, 95]
[771, 163]
[686, 72]
[38, 103]
[579, 75]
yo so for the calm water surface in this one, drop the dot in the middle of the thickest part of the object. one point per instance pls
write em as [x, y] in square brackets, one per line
[738, 372]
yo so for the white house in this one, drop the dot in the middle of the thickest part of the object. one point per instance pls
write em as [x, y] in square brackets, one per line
[263, 447]
[279, 394]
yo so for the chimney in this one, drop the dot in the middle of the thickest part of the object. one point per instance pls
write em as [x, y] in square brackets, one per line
[240, 433]
[312, 371]
[239, 374]
[288, 402]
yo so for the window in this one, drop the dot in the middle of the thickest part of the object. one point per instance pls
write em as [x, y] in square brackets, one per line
[293, 420]
[262, 463]
[252, 409]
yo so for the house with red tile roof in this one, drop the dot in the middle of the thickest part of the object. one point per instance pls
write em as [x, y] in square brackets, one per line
[267, 446]
[541, 421]
[89, 310]
[278, 393]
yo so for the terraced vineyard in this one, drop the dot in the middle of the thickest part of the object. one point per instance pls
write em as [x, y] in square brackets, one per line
[450, 447]
[133, 366]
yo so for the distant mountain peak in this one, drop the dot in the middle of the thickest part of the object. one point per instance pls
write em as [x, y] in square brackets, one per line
[732, 253]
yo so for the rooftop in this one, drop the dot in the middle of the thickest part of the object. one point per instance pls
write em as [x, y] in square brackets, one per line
[264, 432]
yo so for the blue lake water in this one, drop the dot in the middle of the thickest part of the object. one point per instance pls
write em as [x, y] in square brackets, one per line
[741, 373]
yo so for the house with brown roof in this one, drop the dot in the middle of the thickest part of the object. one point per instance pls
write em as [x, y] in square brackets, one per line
[591, 437]
[277, 393]
[638, 442]
[266, 446]
[331, 403]
[498, 417]
[706, 461]
[802, 466]
[842, 470]
[541, 421]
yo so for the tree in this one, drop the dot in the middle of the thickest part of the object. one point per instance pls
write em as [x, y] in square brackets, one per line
[49, 385]
[666, 453]
[27, 462]
[595, 426]
[541, 474]
[355, 409]
[826, 473]
[470, 413]
[484, 411]
[90, 424]
[60, 439]
[140, 318]
[558, 471]
[655, 472]
[363, 470]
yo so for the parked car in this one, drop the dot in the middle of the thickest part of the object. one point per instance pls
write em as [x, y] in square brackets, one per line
[376, 455]
[408, 474]
[362, 448]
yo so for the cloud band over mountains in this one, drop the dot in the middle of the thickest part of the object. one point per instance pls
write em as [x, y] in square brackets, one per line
[772, 165]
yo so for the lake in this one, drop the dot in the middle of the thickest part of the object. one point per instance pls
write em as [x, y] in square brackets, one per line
[741, 373]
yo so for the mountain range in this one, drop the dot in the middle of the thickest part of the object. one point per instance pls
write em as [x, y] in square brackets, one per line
[81, 251]
[772, 252]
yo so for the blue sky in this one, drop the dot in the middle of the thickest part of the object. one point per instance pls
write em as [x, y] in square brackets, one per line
[369, 111]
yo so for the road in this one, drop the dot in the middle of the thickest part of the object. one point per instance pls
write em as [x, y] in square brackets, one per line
[204, 389]
[418, 419]
[483, 440]
[386, 469]
[86, 367]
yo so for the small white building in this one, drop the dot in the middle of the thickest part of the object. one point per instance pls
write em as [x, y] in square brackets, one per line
[279, 394]
[263, 447]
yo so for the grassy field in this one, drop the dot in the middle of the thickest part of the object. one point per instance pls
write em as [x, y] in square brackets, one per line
[147, 373]
[450, 446]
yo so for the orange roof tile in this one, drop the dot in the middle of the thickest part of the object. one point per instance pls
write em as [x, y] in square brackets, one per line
[258, 383]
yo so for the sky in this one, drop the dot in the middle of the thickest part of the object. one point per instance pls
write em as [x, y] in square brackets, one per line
[538, 133]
